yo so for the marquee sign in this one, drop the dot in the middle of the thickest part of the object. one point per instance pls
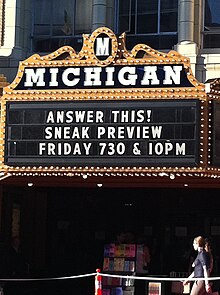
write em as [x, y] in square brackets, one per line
[216, 133]
[103, 107]
[99, 77]
[103, 133]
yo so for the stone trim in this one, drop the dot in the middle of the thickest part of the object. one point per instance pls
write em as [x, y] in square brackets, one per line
[2, 21]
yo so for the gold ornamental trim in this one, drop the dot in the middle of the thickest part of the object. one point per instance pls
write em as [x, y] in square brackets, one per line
[140, 54]
[172, 173]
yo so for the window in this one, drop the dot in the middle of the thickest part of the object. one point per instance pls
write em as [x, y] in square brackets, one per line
[212, 24]
[57, 22]
[155, 20]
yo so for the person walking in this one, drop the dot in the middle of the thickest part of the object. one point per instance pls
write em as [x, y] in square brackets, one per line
[208, 249]
[201, 268]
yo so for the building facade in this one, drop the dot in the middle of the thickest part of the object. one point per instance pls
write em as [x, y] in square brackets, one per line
[28, 27]
[37, 203]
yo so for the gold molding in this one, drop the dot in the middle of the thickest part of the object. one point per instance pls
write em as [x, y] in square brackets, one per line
[67, 56]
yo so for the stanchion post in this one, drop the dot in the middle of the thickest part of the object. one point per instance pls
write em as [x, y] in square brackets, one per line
[98, 283]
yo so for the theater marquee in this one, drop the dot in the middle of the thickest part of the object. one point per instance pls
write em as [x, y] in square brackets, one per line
[103, 108]
[102, 133]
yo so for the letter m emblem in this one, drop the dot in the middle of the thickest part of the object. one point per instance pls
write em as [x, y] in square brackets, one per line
[102, 47]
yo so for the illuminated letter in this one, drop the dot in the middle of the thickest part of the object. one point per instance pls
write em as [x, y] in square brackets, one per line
[34, 77]
[48, 132]
[53, 77]
[173, 73]
[102, 46]
[92, 76]
[50, 117]
[150, 74]
[131, 77]
[42, 148]
[180, 149]
[73, 71]
[109, 80]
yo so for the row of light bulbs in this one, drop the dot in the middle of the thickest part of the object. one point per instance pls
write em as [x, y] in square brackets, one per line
[85, 175]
